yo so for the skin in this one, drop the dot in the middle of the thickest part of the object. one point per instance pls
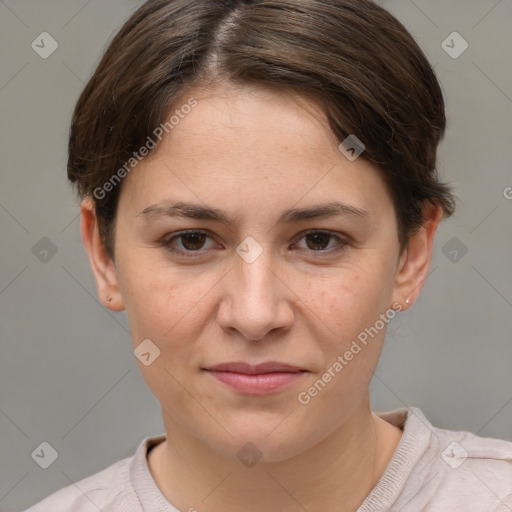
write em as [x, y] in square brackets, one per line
[234, 151]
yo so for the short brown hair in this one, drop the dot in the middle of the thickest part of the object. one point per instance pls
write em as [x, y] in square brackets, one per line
[352, 57]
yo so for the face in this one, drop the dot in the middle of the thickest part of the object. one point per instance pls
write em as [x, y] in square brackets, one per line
[265, 283]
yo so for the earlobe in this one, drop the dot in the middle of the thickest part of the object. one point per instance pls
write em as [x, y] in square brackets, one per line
[414, 264]
[102, 265]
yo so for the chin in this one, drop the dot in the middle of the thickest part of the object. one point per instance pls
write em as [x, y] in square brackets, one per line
[254, 441]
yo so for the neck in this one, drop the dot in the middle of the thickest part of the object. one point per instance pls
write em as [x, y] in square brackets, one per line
[335, 474]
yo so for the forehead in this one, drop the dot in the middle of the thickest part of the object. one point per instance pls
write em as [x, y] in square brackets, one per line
[243, 121]
[239, 143]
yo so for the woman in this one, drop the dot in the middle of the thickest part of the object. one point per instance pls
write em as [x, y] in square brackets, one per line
[259, 192]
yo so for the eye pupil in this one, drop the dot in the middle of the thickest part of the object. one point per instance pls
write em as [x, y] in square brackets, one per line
[194, 241]
[193, 237]
[318, 238]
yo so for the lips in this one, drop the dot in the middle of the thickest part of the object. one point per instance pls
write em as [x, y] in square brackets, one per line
[258, 369]
[260, 379]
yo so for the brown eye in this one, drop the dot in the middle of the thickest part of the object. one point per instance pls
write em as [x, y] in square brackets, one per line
[318, 240]
[187, 243]
[193, 241]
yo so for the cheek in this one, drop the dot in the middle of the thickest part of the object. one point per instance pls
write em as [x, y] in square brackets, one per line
[165, 306]
[350, 304]
[164, 303]
[345, 299]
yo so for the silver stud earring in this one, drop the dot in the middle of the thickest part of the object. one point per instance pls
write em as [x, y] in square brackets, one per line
[109, 297]
[407, 300]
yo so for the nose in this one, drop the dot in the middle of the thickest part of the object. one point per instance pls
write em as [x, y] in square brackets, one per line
[257, 299]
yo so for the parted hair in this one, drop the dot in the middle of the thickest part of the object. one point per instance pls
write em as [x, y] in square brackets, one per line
[355, 60]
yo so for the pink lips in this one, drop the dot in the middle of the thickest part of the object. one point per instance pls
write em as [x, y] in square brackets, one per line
[259, 379]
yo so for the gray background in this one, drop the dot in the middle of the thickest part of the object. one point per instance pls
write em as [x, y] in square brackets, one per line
[68, 375]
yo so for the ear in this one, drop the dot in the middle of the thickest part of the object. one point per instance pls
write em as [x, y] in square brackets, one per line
[415, 261]
[102, 266]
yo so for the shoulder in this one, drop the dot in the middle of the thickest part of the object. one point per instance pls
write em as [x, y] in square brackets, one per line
[101, 491]
[461, 471]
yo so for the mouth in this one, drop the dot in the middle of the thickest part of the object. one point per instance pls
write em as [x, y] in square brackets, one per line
[260, 379]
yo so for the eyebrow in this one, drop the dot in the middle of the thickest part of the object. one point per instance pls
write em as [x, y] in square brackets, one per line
[293, 215]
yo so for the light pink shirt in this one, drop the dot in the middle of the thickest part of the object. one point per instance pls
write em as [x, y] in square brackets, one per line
[432, 470]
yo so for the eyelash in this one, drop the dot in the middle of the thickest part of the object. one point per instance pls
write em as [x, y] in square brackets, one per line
[166, 242]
